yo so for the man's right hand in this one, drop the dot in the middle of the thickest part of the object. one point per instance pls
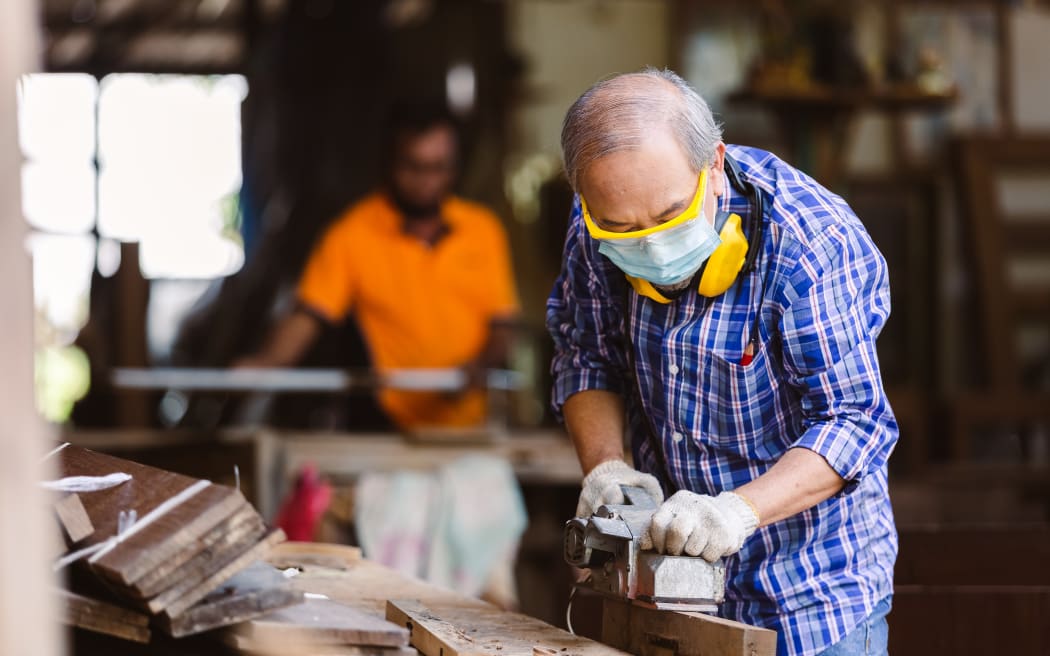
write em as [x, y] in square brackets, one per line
[602, 486]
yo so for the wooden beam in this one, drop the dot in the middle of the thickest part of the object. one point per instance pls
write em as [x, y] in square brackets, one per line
[649, 632]
[73, 518]
[28, 612]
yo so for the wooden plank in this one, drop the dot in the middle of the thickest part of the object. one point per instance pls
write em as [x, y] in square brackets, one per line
[319, 554]
[219, 545]
[484, 631]
[969, 620]
[434, 636]
[1009, 555]
[369, 586]
[73, 518]
[649, 632]
[148, 488]
[257, 590]
[178, 600]
[323, 622]
[246, 645]
[103, 617]
[169, 535]
[27, 611]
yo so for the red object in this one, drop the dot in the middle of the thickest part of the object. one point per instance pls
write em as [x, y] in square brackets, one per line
[302, 510]
[746, 359]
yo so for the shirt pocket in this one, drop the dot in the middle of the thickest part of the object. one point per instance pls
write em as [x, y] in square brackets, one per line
[741, 406]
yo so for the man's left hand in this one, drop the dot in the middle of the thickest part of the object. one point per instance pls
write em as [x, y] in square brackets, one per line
[700, 525]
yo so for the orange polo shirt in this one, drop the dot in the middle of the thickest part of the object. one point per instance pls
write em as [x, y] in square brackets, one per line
[417, 305]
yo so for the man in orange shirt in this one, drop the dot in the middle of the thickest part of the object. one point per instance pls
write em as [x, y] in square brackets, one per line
[426, 275]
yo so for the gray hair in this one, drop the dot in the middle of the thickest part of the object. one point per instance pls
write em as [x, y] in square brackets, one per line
[616, 113]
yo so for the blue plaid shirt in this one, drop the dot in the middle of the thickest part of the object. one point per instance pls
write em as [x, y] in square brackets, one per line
[821, 294]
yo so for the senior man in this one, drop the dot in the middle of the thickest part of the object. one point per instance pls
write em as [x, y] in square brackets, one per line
[721, 308]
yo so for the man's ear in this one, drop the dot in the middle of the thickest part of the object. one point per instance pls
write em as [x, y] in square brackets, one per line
[718, 181]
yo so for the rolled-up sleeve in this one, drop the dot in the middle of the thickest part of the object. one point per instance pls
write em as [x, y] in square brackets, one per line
[585, 320]
[836, 301]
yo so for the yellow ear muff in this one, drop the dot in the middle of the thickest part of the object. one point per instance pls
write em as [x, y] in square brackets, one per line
[721, 269]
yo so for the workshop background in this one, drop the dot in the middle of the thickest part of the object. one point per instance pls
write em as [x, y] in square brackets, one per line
[176, 161]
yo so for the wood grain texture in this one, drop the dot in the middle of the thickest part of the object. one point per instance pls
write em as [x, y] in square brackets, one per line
[148, 488]
[220, 545]
[484, 631]
[246, 645]
[368, 586]
[73, 518]
[324, 622]
[170, 534]
[255, 591]
[103, 617]
[176, 601]
[649, 632]
[302, 554]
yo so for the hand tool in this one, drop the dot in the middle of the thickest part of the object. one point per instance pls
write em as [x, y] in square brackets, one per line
[609, 545]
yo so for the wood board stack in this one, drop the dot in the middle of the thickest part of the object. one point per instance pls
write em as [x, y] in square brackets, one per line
[167, 551]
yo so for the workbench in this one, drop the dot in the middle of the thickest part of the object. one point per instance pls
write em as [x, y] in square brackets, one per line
[268, 460]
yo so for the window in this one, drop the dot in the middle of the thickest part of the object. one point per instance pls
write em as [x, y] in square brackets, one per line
[153, 159]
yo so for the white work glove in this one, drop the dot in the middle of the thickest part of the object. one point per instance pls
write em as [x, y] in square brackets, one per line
[602, 486]
[699, 525]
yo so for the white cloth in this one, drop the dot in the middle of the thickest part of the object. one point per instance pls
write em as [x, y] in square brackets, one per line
[700, 525]
[602, 486]
[86, 483]
[454, 526]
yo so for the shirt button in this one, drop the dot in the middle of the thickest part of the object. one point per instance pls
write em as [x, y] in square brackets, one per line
[673, 368]
[677, 437]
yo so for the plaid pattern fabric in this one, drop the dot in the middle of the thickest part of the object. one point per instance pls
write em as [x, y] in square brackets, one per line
[820, 293]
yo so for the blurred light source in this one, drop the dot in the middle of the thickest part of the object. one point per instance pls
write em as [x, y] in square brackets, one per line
[56, 117]
[108, 257]
[62, 266]
[170, 160]
[460, 88]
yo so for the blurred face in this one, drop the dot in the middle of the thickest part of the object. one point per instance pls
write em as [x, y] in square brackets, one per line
[639, 189]
[424, 169]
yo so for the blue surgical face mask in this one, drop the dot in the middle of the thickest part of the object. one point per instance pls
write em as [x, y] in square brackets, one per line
[666, 257]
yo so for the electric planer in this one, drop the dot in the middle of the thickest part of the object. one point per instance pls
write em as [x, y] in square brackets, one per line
[609, 545]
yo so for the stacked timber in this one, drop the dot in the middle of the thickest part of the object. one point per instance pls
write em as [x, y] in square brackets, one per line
[151, 549]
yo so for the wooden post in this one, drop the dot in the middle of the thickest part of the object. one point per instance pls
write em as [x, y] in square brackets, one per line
[649, 632]
[28, 622]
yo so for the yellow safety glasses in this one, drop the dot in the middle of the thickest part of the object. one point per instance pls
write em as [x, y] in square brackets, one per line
[690, 213]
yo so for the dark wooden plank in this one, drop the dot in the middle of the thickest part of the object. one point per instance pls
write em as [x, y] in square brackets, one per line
[73, 518]
[969, 620]
[103, 617]
[1028, 234]
[175, 601]
[257, 590]
[169, 535]
[148, 488]
[644, 631]
[324, 622]
[949, 556]
[242, 530]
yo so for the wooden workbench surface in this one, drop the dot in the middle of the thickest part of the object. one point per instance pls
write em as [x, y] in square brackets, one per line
[369, 587]
[542, 456]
